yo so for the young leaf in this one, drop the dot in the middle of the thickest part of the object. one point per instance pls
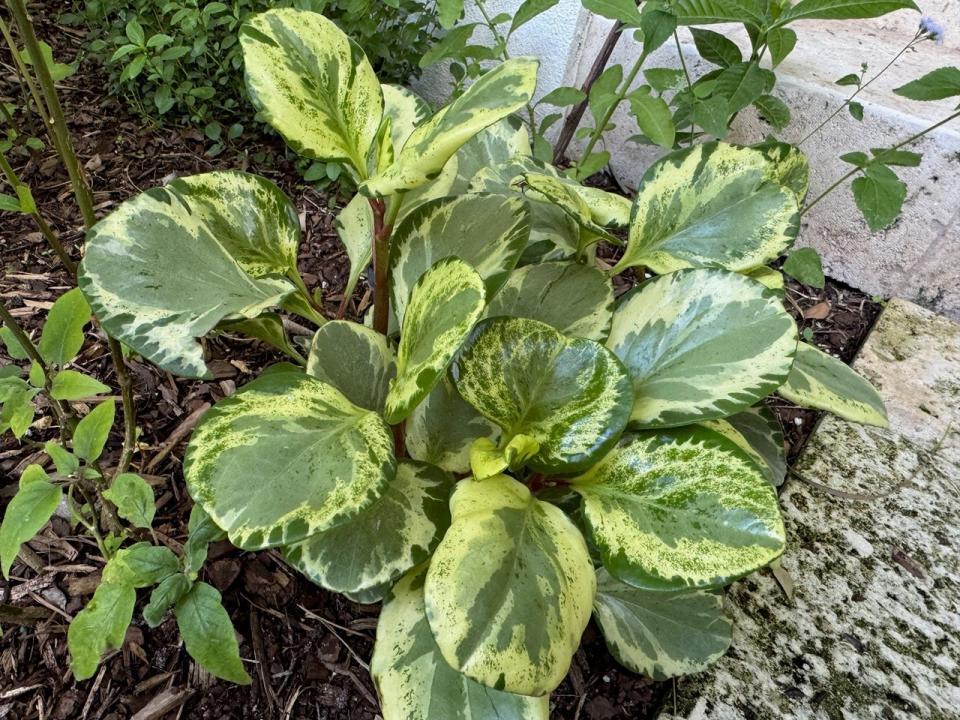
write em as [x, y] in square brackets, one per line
[566, 195]
[202, 531]
[662, 522]
[133, 498]
[208, 633]
[93, 430]
[528, 10]
[781, 42]
[268, 329]
[73, 385]
[62, 335]
[860, 159]
[509, 561]
[354, 226]
[741, 84]
[657, 27]
[788, 166]
[804, 265]
[849, 79]
[164, 596]
[716, 48]
[663, 79]
[935, 85]
[623, 10]
[14, 349]
[820, 381]
[28, 511]
[141, 565]
[879, 194]
[903, 158]
[18, 410]
[449, 11]
[603, 92]
[841, 10]
[653, 117]
[451, 45]
[486, 459]
[99, 627]
[64, 460]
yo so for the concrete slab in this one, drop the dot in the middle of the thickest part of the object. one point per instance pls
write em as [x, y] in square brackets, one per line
[873, 627]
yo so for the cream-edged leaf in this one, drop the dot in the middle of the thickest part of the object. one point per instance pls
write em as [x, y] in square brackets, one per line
[405, 109]
[757, 432]
[355, 360]
[788, 166]
[568, 197]
[354, 226]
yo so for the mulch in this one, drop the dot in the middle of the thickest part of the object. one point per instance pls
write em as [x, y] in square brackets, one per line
[308, 648]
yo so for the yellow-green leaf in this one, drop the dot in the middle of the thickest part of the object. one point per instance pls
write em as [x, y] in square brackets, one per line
[27, 512]
[73, 385]
[99, 627]
[62, 335]
[758, 433]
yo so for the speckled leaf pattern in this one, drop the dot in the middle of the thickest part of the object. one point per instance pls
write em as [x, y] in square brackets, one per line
[701, 344]
[766, 276]
[567, 197]
[312, 84]
[575, 299]
[405, 109]
[285, 457]
[444, 306]
[497, 94]
[757, 432]
[413, 680]
[488, 232]
[363, 556]
[661, 634]
[355, 360]
[712, 205]
[569, 394]
[820, 381]
[166, 266]
[510, 587]
[355, 229]
[680, 509]
[788, 166]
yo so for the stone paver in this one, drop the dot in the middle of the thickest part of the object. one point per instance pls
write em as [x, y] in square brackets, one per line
[873, 522]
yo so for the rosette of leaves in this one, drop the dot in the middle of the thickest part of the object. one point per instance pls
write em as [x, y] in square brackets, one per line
[520, 451]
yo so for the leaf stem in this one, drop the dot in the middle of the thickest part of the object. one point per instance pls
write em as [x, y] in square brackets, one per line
[381, 256]
[686, 74]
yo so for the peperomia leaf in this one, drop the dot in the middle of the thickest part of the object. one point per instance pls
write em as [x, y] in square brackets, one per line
[575, 299]
[701, 344]
[208, 634]
[405, 109]
[355, 229]
[355, 360]
[62, 335]
[710, 205]
[444, 305]
[165, 267]
[820, 381]
[267, 328]
[661, 634]
[413, 680]
[313, 85]
[566, 197]
[100, 626]
[665, 522]
[509, 589]
[28, 511]
[758, 433]
[91, 433]
[569, 394]
[285, 457]
[365, 555]
[133, 498]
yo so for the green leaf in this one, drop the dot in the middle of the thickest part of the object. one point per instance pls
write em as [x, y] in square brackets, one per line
[716, 48]
[18, 410]
[742, 84]
[165, 267]
[133, 498]
[449, 11]
[8, 203]
[564, 96]
[62, 335]
[781, 42]
[848, 80]
[73, 385]
[623, 10]
[528, 10]
[757, 432]
[804, 265]
[879, 194]
[860, 159]
[93, 430]
[657, 27]
[569, 394]
[705, 12]
[856, 110]
[662, 522]
[354, 226]
[773, 110]
[99, 627]
[202, 531]
[713, 115]
[497, 94]
[268, 329]
[64, 460]
[661, 634]
[820, 381]
[164, 596]
[509, 589]
[313, 85]
[701, 344]
[135, 32]
[285, 457]
[14, 349]
[141, 565]
[663, 79]
[904, 158]
[28, 511]
[413, 680]
[365, 555]
[575, 299]
[603, 92]
[444, 305]
[451, 45]
[710, 205]
[841, 10]
[355, 360]
[487, 232]
[208, 633]
[936, 85]
[653, 117]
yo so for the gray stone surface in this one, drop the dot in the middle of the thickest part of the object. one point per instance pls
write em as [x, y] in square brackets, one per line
[873, 525]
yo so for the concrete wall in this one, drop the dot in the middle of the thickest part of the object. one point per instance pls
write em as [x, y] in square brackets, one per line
[916, 257]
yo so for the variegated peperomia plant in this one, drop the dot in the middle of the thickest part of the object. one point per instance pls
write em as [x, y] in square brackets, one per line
[505, 449]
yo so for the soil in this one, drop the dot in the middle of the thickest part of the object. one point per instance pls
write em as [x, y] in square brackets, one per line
[308, 648]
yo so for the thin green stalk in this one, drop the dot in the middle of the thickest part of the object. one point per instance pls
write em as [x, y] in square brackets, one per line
[505, 55]
[686, 74]
[23, 71]
[618, 98]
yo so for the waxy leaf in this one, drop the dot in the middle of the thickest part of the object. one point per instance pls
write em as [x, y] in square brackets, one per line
[757, 432]
[285, 457]
[509, 589]
[665, 522]
[444, 306]
[710, 205]
[661, 634]
[405, 109]
[565, 196]
[571, 395]
[165, 267]
[820, 381]
[313, 85]
[701, 344]
[355, 360]
[62, 335]
[365, 555]
[267, 328]
[788, 166]
[28, 511]
[208, 634]
[100, 626]
[413, 680]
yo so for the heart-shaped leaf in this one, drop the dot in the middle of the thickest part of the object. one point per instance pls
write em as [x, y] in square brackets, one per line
[355, 360]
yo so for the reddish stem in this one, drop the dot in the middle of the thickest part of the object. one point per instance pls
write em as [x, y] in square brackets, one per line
[381, 257]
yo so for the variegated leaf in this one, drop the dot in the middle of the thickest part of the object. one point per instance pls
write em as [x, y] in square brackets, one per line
[509, 589]
[567, 197]
[355, 360]
[701, 344]
[286, 457]
[267, 328]
[442, 427]
[712, 205]
[661, 634]
[757, 432]
[413, 680]
[679, 509]
[165, 267]
[571, 395]
[820, 381]
[363, 556]
[405, 109]
[788, 166]
[497, 94]
[575, 299]
[488, 232]
[313, 85]
[355, 229]
[608, 209]
[444, 305]
[766, 276]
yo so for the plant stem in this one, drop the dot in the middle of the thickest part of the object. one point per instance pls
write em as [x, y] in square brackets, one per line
[24, 73]
[129, 411]
[618, 98]
[381, 255]
[686, 74]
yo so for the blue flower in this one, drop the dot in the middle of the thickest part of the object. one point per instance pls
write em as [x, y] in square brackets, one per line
[932, 29]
